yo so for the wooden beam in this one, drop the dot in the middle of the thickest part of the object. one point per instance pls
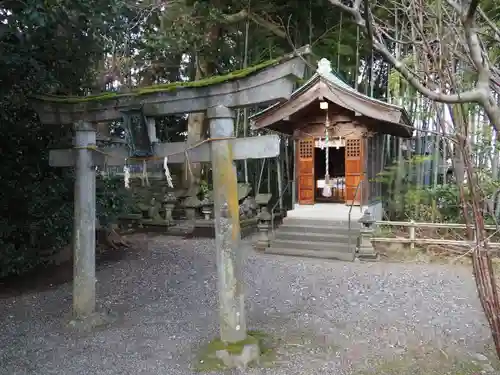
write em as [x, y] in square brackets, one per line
[267, 146]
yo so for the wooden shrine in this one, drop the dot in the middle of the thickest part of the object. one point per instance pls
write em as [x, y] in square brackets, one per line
[339, 135]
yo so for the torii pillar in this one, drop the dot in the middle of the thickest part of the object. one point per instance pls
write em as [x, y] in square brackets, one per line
[227, 227]
[84, 281]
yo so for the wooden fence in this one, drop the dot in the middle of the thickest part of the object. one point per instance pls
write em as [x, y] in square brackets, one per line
[412, 239]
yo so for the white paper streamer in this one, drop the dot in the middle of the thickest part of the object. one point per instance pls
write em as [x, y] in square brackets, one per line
[167, 173]
[145, 178]
[126, 171]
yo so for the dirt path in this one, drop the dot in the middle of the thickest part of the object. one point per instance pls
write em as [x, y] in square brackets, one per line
[323, 317]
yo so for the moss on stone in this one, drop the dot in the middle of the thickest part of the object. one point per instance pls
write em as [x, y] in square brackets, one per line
[301, 81]
[167, 87]
[207, 361]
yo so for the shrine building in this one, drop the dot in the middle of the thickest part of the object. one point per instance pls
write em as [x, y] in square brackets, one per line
[340, 136]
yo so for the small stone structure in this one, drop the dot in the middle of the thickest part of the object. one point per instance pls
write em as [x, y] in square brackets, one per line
[365, 249]
[263, 200]
[264, 228]
[248, 211]
[159, 208]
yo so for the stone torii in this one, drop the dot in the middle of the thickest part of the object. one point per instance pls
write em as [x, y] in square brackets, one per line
[264, 86]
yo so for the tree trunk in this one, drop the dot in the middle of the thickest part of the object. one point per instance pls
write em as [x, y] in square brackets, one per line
[197, 125]
[109, 238]
[196, 131]
[482, 264]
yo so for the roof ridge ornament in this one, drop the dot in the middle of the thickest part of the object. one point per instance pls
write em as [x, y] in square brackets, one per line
[324, 67]
[325, 71]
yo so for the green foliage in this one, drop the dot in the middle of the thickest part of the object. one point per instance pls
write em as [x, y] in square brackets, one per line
[46, 46]
[112, 200]
[35, 202]
[440, 204]
[204, 189]
[45, 221]
[434, 203]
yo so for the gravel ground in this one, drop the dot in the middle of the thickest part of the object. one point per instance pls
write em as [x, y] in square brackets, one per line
[331, 317]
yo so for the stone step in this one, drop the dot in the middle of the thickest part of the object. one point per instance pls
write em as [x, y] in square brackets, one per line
[330, 254]
[328, 237]
[317, 229]
[295, 221]
[314, 246]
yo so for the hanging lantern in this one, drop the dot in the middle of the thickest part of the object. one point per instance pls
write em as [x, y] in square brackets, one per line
[137, 133]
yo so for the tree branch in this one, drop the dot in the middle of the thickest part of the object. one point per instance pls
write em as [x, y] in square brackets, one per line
[244, 14]
[236, 17]
[476, 53]
[465, 97]
[490, 23]
[368, 20]
[473, 96]
[272, 27]
[354, 11]
[471, 12]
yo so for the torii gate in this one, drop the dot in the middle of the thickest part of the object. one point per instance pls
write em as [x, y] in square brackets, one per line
[265, 86]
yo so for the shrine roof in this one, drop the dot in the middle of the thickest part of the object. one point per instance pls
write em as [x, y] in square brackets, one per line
[325, 85]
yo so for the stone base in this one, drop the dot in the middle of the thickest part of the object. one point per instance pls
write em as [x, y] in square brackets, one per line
[190, 213]
[93, 321]
[261, 245]
[156, 223]
[219, 356]
[206, 228]
[249, 354]
[129, 221]
[367, 256]
[198, 228]
[154, 227]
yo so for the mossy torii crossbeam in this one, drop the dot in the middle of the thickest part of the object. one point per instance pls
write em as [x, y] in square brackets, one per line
[265, 86]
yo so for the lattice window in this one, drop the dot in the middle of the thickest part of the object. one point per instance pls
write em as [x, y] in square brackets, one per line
[306, 149]
[353, 148]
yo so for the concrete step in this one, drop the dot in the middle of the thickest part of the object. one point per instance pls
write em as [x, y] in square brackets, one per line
[328, 237]
[320, 222]
[330, 254]
[317, 229]
[315, 246]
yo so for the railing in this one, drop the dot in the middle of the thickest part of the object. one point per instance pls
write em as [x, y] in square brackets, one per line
[280, 198]
[412, 239]
[349, 243]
